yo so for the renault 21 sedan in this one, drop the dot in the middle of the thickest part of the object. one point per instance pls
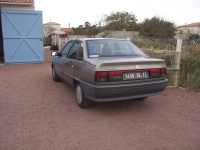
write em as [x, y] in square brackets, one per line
[108, 70]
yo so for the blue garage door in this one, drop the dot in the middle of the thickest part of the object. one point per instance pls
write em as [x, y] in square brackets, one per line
[22, 36]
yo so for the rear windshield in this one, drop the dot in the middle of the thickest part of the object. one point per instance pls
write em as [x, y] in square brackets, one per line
[112, 48]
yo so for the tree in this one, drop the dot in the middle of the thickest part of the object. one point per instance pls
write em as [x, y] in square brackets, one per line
[157, 27]
[119, 21]
[87, 29]
[79, 30]
[48, 30]
[87, 24]
[93, 30]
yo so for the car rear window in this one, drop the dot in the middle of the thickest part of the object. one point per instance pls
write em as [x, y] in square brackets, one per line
[112, 48]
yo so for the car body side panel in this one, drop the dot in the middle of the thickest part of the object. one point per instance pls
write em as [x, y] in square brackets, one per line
[68, 70]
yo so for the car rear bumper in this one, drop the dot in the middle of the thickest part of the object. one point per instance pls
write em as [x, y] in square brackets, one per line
[103, 93]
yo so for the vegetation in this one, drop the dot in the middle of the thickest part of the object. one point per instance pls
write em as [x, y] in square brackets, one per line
[119, 21]
[191, 49]
[157, 27]
[194, 37]
[154, 28]
[189, 75]
[48, 30]
[156, 44]
[87, 29]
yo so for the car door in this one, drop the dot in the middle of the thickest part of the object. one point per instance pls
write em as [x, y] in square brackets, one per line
[82, 70]
[70, 62]
[58, 64]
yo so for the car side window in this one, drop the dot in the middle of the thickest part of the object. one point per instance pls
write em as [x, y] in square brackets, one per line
[66, 48]
[74, 49]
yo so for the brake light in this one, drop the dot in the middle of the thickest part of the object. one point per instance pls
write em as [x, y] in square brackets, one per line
[154, 73]
[115, 75]
[101, 76]
[163, 72]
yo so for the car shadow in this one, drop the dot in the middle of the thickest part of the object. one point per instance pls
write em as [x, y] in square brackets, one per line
[124, 106]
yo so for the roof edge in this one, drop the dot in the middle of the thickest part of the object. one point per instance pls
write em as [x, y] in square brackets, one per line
[196, 24]
[7, 3]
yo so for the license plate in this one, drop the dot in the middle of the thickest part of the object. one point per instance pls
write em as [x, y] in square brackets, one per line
[135, 75]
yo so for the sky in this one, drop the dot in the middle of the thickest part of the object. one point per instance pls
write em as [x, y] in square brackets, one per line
[72, 13]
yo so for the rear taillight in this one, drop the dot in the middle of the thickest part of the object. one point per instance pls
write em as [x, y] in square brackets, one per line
[154, 73]
[163, 72]
[101, 76]
[115, 75]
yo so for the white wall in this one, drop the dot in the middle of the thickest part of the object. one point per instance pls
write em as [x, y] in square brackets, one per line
[192, 30]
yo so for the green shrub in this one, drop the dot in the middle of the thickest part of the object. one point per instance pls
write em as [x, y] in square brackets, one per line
[149, 44]
[189, 75]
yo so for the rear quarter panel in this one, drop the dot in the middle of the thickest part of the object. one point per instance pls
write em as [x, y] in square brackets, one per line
[85, 71]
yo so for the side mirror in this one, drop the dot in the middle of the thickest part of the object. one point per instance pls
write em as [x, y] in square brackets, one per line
[54, 54]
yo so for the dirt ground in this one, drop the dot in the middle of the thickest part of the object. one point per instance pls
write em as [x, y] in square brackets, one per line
[39, 114]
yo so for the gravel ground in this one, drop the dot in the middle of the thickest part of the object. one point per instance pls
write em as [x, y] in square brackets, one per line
[37, 113]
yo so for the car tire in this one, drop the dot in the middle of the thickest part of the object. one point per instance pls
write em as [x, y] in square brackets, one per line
[80, 98]
[54, 75]
[142, 98]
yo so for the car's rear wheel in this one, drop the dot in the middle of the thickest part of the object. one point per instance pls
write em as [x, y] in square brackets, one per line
[55, 76]
[81, 100]
[142, 98]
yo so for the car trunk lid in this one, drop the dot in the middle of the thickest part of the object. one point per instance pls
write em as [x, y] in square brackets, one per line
[126, 63]
[120, 69]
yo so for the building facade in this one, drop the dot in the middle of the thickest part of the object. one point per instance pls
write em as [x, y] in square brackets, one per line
[188, 29]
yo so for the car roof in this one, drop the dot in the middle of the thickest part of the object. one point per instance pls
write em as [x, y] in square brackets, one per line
[87, 39]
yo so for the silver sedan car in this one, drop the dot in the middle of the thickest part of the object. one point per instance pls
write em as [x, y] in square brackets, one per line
[108, 70]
